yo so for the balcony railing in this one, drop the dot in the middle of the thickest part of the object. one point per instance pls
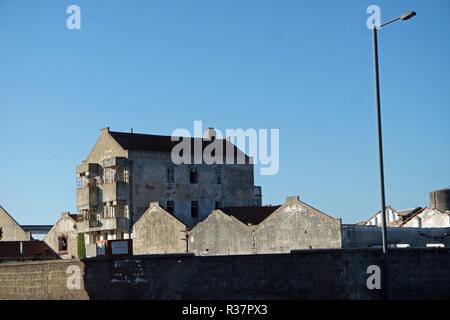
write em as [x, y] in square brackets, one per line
[103, 224]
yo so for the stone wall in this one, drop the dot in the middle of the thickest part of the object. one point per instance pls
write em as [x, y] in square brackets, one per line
[157, 231]
[308, 274]
[296, 225]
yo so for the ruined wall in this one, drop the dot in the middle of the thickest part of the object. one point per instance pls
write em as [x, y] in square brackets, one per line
[296, 225]
[310, 274]
[220, 234]
[66, 227]
[430, 218]
[158, 232]
[11, 230]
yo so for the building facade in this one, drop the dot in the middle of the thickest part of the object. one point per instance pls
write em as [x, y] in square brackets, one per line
[10, 230]
[293, 225]
[124, 172]
[62, 237]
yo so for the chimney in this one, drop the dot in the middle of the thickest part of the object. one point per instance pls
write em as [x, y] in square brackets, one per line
[210, 134]
[104, 130]
[292, 199]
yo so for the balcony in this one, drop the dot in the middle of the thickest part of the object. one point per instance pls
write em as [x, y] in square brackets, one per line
[103, 224]
[87, 168]
[115, 191]
[87, 197]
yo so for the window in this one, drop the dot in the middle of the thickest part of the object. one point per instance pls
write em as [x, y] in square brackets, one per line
[109, 210]
[193, 175]
[217, 175]
[170, 206]
[62, 243]
[194, 209]
[81, 181]
[170, 175]
[109, 175]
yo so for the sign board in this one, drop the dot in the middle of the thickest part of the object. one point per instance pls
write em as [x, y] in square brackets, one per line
[119, 247]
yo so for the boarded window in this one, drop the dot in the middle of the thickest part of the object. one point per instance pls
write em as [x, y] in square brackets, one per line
[217, 175]
[193, 175]
[194, 209]
[170, 175]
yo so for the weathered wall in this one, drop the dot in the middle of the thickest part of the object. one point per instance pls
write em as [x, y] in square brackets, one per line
[66, 227]
[355, 236]
[429, 218]
[39, 280]
[158, 232]
[310, 274]
[296, 225]
[220, 234]
[11, 230]
[150, 185]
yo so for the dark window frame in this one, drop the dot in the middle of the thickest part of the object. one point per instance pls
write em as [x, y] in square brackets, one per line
[194, 209]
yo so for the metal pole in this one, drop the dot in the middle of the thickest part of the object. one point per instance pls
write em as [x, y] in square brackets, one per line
[380, 139]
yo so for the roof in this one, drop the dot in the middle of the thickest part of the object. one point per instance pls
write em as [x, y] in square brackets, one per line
[149, 142]
[407, 212]
[411, 216]
[33, 249]
[250, 215]
[76, 217]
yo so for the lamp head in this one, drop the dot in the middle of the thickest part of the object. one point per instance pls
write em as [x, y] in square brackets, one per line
[408, 15]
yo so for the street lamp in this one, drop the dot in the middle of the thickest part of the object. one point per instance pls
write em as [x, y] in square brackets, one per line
[404, 17]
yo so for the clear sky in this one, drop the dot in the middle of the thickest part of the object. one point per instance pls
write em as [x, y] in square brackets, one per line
[304, 67]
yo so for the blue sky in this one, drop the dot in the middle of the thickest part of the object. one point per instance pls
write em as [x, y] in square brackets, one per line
[304, 67]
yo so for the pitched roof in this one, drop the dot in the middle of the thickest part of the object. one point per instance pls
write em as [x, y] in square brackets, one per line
[150, 142]
[250, 215]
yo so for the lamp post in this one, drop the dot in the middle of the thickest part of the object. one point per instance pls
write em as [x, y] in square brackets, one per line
[405, 16]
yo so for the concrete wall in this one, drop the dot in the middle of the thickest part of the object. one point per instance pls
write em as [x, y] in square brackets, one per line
[158, 232]
[354, 236]
[221, 234]
[66, 227]
[311, 274]
[296, 225]
[11, 230]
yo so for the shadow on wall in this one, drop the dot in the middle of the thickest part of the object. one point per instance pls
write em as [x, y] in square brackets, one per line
[308, 274]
